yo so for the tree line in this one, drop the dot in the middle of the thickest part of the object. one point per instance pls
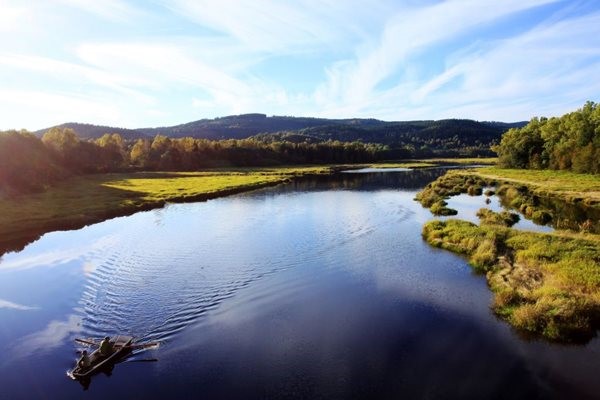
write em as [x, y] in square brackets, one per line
[28, 163]
[570, 142]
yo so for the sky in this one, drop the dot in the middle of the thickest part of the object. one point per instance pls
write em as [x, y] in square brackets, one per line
[164, 62]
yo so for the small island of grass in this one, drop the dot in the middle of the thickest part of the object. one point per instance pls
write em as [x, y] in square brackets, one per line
[547, 284]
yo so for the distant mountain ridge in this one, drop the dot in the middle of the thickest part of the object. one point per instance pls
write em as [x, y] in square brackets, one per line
[308, 129]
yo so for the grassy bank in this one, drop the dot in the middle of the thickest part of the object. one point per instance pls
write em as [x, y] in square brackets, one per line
[82, 200]
[569, 186]
[87, 199]
[453, 183]
[436, 162]
[547, 284]
[557, 197]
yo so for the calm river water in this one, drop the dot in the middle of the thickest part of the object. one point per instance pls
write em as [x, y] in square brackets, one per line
[317, 289]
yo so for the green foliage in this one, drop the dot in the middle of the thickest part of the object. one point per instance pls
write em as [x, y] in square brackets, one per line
[63, 153]
[571, 142]
[403, 139]
[26, 164]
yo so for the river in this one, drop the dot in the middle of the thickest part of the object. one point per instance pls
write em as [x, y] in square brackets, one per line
[322, 288]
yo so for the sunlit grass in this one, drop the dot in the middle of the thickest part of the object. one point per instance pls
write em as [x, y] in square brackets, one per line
[435, 162]
[183, 186]
[569, 185]
[87, 199]
[464, 161]
[547, 284]
[406, 164]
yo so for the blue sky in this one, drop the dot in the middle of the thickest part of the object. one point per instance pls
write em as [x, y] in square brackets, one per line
[164, 62]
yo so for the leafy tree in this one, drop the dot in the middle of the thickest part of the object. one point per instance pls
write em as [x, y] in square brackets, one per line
[571, 142]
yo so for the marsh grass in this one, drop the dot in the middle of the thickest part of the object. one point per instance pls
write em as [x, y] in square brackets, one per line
[547, 284]
[450, 184]
[503, 218]
[569, 186]
[436, 162]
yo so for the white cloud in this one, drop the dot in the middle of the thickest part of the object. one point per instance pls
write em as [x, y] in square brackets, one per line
[405, 34]
[178, 60]
[11, 16]
[15, 306]
[281, 27]
[552, 68]
[116, 10]
[55, 108]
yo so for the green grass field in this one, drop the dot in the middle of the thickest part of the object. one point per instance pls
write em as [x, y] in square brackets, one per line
[436, 162]
[568, 185]
[82, 200]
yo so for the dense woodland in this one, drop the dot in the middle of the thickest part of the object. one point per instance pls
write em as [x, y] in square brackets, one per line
[28, 163]
[416, 139]
[32, 161]
[570, 142]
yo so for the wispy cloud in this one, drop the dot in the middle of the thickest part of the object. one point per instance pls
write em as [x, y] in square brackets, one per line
[140, 64]
[279, 27]
[15, 306]
[520, 72]
[116, 10]
[407, 33]
[11, 15]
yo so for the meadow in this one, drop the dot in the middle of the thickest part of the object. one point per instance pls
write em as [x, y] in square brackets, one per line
[82, 200]
[567, 185]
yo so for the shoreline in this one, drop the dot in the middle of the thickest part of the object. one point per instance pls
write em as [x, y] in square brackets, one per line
[83, 200]
[62, 216]
[544, 284]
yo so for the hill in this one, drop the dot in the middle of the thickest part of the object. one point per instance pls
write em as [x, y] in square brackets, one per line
[89, 131]
[300, 129]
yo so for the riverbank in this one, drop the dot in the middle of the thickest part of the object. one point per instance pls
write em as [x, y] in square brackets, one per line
[437, 162]
[568, 186]
[83, 200]
[545, 284]
[557, 197]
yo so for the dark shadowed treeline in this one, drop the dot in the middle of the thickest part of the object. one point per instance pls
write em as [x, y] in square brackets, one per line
[571, 142]
[28, 163]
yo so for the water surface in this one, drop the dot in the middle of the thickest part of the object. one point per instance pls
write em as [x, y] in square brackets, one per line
[317, 289]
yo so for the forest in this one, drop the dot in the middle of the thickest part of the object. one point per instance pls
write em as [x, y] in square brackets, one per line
[29, 164]
[570, 142]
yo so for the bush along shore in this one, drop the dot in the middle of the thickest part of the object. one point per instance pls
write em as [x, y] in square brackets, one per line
[544, 284]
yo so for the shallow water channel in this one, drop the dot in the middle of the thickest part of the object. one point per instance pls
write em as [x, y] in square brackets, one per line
[322, 288]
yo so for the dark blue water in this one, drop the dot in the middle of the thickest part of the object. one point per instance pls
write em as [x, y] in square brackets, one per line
[316, 289]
